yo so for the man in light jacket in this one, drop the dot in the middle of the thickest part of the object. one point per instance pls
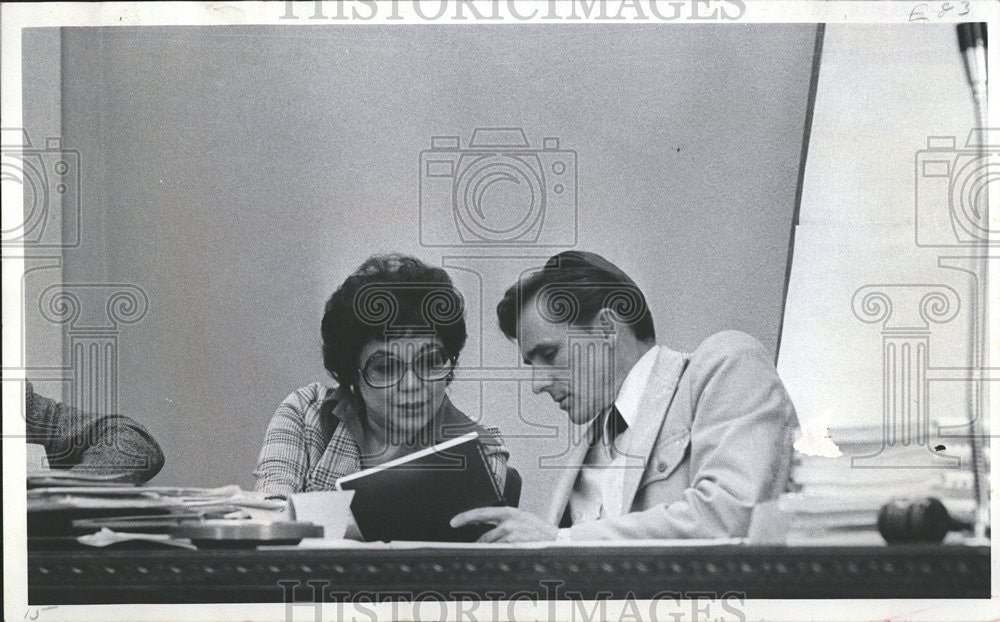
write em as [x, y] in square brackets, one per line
[676, 445]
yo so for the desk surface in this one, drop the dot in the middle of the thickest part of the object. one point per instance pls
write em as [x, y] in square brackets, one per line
[301, 575]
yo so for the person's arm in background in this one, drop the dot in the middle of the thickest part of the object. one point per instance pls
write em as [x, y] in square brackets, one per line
[99, 444]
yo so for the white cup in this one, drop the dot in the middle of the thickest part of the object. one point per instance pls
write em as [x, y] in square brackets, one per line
[38, 460]
[330, 509]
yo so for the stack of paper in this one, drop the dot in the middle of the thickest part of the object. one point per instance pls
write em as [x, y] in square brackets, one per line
[72, 510]
[45, 478]
[837, 499]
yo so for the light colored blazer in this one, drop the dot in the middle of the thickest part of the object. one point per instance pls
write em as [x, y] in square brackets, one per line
[716, 427]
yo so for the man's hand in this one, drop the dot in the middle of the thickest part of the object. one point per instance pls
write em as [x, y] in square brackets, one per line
[512, 525]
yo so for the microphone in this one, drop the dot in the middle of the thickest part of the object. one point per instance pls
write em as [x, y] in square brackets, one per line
[972, 43]
[905, 521]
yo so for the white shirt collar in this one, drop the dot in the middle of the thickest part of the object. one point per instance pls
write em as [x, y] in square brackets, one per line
[635, 383]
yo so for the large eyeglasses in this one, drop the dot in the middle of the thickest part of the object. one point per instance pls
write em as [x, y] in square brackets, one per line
[383, 370]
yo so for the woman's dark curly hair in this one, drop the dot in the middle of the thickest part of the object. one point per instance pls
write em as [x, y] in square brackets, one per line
[389, 296]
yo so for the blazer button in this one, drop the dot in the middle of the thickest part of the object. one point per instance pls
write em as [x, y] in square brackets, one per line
[661, 466]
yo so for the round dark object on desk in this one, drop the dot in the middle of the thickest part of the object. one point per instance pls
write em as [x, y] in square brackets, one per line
[907, 521]
[234, 534]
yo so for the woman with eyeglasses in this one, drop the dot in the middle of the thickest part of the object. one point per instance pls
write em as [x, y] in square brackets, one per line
[392, 333]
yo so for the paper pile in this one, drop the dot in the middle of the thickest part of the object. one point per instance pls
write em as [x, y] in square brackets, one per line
[68, 511]
[837, 499]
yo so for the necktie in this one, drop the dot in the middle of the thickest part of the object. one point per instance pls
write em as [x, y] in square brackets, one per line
[615, 427]
[616, 424]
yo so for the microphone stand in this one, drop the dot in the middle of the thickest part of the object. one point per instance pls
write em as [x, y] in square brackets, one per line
[972, 42]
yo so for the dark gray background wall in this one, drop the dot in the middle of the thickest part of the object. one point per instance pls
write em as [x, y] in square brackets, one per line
[238, 175]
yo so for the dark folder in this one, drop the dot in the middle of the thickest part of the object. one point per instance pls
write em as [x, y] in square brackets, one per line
[415, 497]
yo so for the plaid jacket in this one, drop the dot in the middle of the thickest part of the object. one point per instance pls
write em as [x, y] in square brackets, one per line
[307, 447]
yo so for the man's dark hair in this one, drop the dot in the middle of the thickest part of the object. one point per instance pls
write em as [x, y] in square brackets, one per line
[573, 287]
[389, 296]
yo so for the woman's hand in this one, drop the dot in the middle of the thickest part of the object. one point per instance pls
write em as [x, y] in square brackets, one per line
[511, 525]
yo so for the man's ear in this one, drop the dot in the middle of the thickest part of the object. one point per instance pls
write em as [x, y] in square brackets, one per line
[607, 321]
